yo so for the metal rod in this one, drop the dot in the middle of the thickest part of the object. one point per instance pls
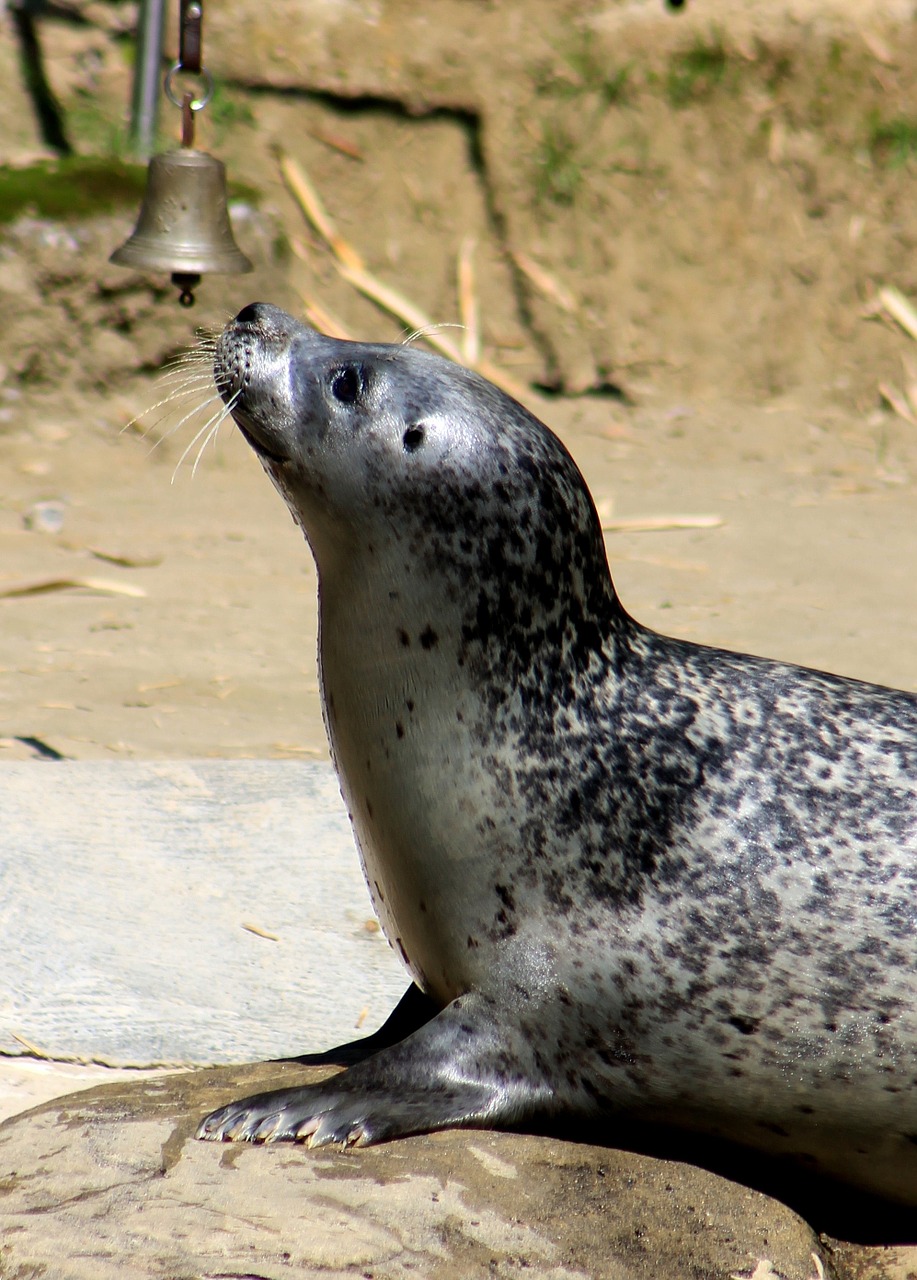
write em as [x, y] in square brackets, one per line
[147, 73]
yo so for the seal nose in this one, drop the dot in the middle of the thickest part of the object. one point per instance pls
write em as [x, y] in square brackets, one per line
[265, 314]
[250, 314]
[270, 323]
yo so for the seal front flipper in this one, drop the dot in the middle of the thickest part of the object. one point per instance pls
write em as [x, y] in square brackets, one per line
[460, 1069]
[412, 1011]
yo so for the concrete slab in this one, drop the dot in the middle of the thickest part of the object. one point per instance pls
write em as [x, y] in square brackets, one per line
[184, 912]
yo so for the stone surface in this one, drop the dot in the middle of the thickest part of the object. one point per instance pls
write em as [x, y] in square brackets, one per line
[132, 893]
[111, 1182]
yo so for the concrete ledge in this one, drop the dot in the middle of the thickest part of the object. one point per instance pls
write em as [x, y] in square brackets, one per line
[127, 889]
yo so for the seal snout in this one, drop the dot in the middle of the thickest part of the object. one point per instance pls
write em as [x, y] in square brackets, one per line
[257, 333]
[230, 363]
[245, 370]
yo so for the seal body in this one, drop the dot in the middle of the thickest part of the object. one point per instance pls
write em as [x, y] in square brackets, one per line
[639, 878]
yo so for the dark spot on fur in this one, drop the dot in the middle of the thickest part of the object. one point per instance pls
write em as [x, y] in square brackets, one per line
[745, 1026]
[399, 728]
[404, 637]
[505, 896]
[428, 637]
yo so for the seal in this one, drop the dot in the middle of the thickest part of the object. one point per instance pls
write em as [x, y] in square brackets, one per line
[636, 879]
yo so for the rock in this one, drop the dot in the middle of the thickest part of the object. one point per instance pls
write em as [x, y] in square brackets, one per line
[876, 1263]
[112, 1179]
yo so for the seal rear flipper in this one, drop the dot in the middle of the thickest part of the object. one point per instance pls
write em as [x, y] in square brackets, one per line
[460, 1069]
[412, 1011]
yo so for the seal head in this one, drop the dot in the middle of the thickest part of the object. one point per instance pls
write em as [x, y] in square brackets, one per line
[640, 879]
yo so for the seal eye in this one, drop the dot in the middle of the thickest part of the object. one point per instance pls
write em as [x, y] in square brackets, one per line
[346, 384]
[412, 439]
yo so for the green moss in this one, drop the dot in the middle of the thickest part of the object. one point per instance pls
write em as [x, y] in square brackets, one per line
[586, 71]
[82, 187]
[559, 174]
[74, 187]
[892, 143]
[779, 69]
[694, 73]
[226, 110]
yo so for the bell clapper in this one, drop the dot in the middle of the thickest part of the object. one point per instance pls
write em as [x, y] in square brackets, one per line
[186, 282]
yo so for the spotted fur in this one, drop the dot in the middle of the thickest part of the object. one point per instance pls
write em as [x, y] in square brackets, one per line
[640, 877]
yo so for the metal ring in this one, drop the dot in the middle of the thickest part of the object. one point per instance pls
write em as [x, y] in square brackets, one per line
[197, 104]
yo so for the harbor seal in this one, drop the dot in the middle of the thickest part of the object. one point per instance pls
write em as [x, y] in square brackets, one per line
[636, 879]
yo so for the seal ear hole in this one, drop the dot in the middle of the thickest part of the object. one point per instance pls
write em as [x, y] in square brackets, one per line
[346, 383]
[412, 439]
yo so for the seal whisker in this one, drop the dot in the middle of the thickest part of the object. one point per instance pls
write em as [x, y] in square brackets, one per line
[416, 334]
[150, 424]
[194, 439]
[199, 356]
[186, 380]
[204, 346]
[195, 387]
[214, 431]
[186, 375]
[197, 407]
[202, 366]
[206, 433]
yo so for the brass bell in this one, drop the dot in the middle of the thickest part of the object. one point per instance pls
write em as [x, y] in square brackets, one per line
[183, 225]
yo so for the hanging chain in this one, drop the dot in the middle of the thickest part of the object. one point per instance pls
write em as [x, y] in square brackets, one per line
[190, 46]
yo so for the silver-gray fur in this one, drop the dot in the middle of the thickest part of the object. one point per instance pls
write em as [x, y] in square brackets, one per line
[640, 878]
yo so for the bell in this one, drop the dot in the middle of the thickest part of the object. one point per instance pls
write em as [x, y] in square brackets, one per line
[183, 225]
